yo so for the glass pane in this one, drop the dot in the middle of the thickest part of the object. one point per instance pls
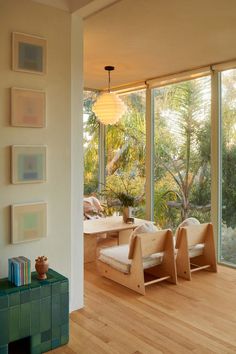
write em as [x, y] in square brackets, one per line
[125, 150]
[91, 141]
[182, 152]
[228, 151]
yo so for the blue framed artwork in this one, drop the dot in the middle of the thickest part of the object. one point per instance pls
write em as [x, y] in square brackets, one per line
[28, 164]
[28, 53]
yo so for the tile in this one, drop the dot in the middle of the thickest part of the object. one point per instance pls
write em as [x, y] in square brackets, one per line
[25, 296]
[34, 317]
[56, 343]
[65, 330]
[64, 308]
[36, 350]
[56, 313]
[3, 302]
[64, 340]
[46, 346]
[4, 334]
[56, 288]
[25, 320]
[46, 336]
[64, 287]
[14, 323]
[56, 332]
[45, 291]
[4, 349]
[45, 314]
[14, 299]
[35, 293]
[35, 340]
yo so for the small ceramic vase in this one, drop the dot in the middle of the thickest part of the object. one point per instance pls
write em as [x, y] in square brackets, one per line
[41, 266]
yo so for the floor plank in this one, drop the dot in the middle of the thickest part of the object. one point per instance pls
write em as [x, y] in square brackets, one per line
[193, 317]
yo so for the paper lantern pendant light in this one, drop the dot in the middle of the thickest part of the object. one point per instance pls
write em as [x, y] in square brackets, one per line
[109, 108]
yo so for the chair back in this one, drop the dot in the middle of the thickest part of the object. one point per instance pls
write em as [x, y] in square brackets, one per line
[195, 234]
[153, 242]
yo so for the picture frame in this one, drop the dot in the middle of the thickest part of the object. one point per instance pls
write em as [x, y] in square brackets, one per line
[29, 53]
[28, 164]
[28, 108]
[28, 222]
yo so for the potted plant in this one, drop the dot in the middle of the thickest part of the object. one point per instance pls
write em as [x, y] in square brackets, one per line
[121, 190]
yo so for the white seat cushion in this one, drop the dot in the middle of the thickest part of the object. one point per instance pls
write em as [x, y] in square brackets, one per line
[117, 257]
[196, 250]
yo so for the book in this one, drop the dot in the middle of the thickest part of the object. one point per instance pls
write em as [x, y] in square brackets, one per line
[19, 270]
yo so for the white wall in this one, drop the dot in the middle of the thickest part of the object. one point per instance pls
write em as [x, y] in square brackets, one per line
[77, 178]
[55, 25]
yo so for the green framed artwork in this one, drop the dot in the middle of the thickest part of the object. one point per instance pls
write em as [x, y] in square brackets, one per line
[28, 164]
[28, 53]
[28, 222]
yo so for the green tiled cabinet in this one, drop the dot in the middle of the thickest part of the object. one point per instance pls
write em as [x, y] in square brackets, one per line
[39, 311]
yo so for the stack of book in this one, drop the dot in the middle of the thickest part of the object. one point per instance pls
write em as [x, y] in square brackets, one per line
[19, 270]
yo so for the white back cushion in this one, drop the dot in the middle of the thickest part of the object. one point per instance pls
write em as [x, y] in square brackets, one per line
[142, 229]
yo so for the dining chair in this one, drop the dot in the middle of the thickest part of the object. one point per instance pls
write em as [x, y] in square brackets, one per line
[195, 250]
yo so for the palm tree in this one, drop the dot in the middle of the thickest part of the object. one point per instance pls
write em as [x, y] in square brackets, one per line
[182, 116]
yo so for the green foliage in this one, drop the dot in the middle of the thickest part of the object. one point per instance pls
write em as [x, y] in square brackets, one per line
[182, 148]
[91, 139]
[229, 148]
[126, 141]
[123, 189]
[229, 185]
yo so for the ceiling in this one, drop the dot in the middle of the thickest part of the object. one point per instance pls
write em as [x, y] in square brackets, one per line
[151, 38]
[86, 7]
[66, 5]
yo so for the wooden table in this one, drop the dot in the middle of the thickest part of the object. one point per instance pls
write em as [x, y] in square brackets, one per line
[96, 227]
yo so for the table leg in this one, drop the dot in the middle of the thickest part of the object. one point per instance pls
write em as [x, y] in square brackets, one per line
[124, 236]
[90, 248]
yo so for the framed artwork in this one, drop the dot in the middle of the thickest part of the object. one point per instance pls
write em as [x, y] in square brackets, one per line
[27, 108]
[28, 163]
[28, 222]
[28, 53]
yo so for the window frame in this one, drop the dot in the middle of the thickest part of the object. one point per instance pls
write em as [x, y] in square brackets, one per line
[216, 138]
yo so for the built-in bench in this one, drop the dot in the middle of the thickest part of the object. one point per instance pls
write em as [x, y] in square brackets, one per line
[34, 318]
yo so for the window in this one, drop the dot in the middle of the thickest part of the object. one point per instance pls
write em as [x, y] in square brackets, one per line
[182, 152]
[125, 148]
[228, 159]
[91, 144]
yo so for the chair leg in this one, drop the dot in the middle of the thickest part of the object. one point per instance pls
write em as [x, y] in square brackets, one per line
[182, 259]
[209, 250]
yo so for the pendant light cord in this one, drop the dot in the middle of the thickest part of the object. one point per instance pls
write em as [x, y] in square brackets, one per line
[109, 81]
[109, 68]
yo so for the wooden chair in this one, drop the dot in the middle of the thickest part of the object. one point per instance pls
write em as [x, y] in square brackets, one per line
[149, 254]
[196, 250]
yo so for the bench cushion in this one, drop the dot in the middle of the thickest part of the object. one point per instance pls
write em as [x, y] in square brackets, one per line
[196, 250]
[117, 257]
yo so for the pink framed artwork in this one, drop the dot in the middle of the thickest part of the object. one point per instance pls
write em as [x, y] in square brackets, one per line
[28, 108]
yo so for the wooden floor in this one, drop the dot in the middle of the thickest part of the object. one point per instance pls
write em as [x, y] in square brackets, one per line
[193, 317]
